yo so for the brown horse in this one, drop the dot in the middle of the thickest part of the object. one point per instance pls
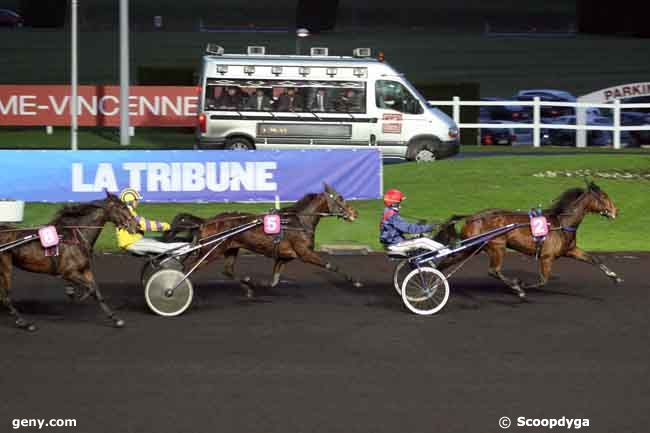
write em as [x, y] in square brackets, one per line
[564, 217]
[296, 240]
[80, 226]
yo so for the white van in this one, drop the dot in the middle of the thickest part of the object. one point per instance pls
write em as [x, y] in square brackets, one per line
[261, 101]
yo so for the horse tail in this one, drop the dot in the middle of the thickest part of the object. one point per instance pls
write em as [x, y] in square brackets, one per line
[183, 222]
[447, 232]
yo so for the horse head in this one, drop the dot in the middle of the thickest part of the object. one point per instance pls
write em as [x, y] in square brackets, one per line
[336, 204]
[599, 201]
[118, 213]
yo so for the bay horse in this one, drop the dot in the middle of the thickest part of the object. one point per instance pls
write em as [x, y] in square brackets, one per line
[80, 226]
[296, 240]
[565, 216]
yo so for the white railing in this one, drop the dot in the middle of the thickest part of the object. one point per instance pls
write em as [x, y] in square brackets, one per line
[536, 124]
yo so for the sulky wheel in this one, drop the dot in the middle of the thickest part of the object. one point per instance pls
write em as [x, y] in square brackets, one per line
[151, 267]
[402, 269]
[425, 291]
[162, 295]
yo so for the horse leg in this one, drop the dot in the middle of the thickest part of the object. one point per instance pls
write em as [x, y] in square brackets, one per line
[310, 256]
[230, 257]
[86, 280]
[246, 283]
[495, 252]
[74, 292]
[278, 266]
[545, 265]
[5, 298]
[581, 255]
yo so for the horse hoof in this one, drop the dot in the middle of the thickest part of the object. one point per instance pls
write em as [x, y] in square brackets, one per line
[519, 292]
[250, 294]
[24, 324]
[618, 280]
[357, 284]
[119, 323]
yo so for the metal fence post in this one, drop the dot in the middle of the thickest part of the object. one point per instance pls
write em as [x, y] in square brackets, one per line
[617, 124]
[536, 122]
[456, 110]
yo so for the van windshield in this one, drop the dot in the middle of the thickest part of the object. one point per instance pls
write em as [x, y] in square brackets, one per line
[285, 95]
[394, 95]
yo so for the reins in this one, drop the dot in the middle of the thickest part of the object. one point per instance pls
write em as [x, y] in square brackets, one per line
[40, 227]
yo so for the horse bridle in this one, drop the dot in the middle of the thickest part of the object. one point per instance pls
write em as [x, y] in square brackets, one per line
[598, 198]
[335, 208]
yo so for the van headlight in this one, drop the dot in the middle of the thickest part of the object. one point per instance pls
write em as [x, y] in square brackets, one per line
[453, 132]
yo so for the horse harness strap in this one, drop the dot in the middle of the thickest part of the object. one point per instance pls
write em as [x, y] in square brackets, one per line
[277, 239]
[539, 240]
[53, 252]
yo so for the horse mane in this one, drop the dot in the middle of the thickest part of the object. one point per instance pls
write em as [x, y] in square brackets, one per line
[567, 199]
[71, 212]
[300, 204]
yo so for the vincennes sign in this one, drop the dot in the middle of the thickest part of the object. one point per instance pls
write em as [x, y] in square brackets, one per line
[44, 105]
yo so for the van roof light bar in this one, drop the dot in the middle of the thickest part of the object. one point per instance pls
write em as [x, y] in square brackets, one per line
[361, 52]
[214, 49]
[256, 50]
[319, 51]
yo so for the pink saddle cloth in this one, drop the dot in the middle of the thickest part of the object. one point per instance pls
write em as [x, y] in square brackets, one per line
[48, 236]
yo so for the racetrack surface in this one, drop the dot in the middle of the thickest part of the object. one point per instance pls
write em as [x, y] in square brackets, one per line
[320, 356]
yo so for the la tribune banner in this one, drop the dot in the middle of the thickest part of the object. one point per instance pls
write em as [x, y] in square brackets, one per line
[189, 175]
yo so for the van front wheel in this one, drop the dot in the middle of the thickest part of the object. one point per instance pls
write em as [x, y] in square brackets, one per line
[239, 143]
[421, 152]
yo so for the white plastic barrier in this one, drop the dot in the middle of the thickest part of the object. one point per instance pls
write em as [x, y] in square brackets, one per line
[537, 123]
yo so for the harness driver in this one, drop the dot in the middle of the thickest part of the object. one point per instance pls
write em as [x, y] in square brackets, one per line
[136, 243]
[393, 227]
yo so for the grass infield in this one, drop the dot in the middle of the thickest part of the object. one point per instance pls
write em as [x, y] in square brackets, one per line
[459, 186]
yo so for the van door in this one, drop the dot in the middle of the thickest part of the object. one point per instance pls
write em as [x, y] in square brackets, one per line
[399, 114]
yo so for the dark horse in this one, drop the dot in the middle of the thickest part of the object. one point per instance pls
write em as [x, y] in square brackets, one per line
[80, 225]
[565, 216]
[296, 240]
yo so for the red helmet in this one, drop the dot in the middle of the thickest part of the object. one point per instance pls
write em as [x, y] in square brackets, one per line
[393, 196]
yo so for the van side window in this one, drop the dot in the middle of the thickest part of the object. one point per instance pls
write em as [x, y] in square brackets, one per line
[285, 95]
[393, 95]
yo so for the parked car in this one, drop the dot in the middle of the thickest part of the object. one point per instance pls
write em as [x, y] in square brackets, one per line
[9, 18]
[567, 137]
[511, 113]
[548, 95]
[634, 118]
[638, 100]
[508, 136]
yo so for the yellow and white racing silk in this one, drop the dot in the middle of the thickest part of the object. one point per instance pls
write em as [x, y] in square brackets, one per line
[124, 238]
